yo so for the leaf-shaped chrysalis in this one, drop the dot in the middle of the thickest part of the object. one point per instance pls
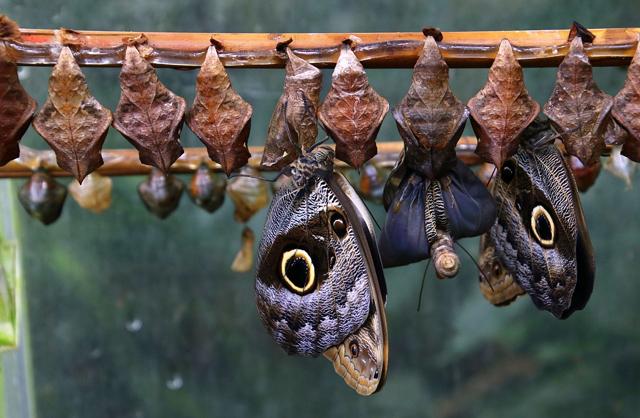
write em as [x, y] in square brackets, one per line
[353, 111]
[577, 108]
[149, 115]
[626, 108]
[72, 121]
[502, 109]
[293, 125]
[161, 193]
[430, 118]
[16, 106]
[219, 116]
[42, 197]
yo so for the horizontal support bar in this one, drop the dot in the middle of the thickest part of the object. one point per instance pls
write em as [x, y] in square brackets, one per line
[533, 48]
[124, 162]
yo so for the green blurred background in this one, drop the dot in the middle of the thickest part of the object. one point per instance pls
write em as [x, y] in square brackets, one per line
[132, 317]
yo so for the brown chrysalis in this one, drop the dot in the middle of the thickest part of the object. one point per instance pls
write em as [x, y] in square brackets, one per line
[243, 260]
[249, 194]
[577, 108]
[94, 194]
[16, 106]
[161, 193]
[207, 188]
[293, 125]
[72, 121]
[352, 112]
[42, 197]
[626, 108]
[149, 115]
[219, 116]
[502, 109]
[430, 118]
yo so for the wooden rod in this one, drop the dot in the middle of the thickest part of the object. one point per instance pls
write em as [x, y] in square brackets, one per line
[533, 48]
[124, 162]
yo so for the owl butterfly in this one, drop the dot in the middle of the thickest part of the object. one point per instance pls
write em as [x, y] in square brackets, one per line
[320, 285]
[431, 197]
[540, 243]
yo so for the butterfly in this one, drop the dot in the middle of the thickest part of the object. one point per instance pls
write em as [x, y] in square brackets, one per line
[320, 286]
[540, 242]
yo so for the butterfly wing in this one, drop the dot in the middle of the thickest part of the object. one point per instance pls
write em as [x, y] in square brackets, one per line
[312, 286]
[362, 358]
[540, 235]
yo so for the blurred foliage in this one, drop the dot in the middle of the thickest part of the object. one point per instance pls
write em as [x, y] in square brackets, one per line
[134, 317]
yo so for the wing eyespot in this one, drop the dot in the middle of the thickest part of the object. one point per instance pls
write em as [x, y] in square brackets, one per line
[543, 227]
[338, 224]
[298, 271]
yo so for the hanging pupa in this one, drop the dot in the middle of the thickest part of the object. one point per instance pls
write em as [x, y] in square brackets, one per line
[353, 111]
[293, 125]
[626, 108]
[249, 194]
[42, 197]
[16, 106]
[72, 121]
[148, 114]
[161, 193]
[243, 261]
[219, 116]
[94, 194]
[207, 188]
[577, 108]
[502, 110]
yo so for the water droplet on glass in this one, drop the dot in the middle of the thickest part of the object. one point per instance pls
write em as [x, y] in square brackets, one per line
[175, 382]
[134, 325]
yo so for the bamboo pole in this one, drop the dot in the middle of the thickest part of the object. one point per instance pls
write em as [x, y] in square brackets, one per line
[533, 48]
[124, 162]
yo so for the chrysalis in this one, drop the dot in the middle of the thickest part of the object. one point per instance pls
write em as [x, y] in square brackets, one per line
[16, 106]
[626, 108]
[577, 108]
[249, 194]
[219, 116]
[352, 112]
[207, 188]
[72, 121]
[42, 197]
[94, 193]
[243, 261]
[293, 125]
[161, 193]
[149, 115]
[502, 109]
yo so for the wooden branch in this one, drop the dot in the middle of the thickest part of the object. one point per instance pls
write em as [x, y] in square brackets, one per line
[124, 162]
[534, 48]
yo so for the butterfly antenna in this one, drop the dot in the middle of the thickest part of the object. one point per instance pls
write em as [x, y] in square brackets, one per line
[317, 144]
[493, 173]
[475, 262]
[424, 279]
